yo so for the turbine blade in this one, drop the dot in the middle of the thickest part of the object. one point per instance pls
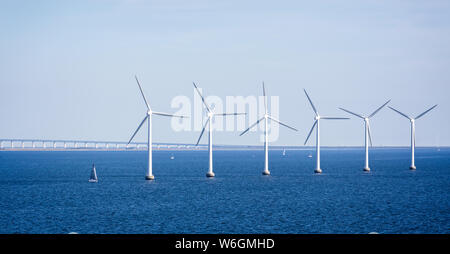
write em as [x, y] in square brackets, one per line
[142, 92]
[309, 134]
[265, 99]
[376, 111]
[285, 125]
[419, 116]
[203, 130]
[134, 134]
[370, 135]
[166, 114]
[251, 126]
[348, 111]
[399, 112]
[334, 118]
[312, 105]
[203, 99]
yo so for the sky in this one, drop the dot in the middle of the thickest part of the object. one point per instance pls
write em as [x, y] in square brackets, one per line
[67, 67]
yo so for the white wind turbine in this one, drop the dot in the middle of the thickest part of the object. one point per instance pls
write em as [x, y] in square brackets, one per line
[317, 123]
[148, 117]
[266, 118]
[413, 132]
[368, 136]
[211, 115]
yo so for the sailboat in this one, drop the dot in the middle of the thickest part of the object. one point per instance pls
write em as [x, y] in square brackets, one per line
[284, 152]
[172, 157]
[93, 178]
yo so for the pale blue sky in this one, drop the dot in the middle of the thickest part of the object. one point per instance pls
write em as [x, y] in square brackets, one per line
[67, 67]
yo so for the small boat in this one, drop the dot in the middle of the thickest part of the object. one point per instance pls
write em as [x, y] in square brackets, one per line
[309, 155]
[93, 178]
[172, 157]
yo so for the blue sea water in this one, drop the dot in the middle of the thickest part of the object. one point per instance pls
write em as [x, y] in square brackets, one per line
[48, 192]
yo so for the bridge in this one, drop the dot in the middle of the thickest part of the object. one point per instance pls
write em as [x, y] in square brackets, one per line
[51, 144]
[11, 144]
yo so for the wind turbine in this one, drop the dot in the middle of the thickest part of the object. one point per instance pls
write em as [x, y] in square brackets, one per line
[148, 117]
[368, 136]
[413, 132]
[211, 115]
[317, 123]
[266, 118]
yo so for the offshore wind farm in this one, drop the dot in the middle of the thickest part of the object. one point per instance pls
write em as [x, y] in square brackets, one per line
[118, 165]
[142, 117]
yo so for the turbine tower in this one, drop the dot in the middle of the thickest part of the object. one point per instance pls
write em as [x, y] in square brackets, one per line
[266, 118]
[413, 132]
[211, 115]
[317, 119]
[367, 135]
[148, 117]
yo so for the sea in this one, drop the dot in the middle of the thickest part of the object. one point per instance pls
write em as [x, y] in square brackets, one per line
[47, 192]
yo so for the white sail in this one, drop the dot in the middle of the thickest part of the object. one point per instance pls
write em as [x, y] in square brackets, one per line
[93, 178]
